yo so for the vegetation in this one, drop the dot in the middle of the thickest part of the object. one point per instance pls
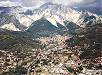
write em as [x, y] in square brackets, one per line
[10, 41]
[90, 43]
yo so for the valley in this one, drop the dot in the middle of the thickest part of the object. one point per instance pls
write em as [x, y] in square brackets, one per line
[52, 39]
[55, 57]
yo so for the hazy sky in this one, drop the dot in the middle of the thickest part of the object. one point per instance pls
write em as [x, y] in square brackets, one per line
[36, 3]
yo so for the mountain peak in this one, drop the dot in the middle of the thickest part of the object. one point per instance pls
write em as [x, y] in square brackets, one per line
[54, 13]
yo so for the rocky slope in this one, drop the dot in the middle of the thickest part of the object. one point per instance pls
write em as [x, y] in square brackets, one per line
[54, 13]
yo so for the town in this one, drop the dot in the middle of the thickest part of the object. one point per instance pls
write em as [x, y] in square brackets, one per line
[56, 58]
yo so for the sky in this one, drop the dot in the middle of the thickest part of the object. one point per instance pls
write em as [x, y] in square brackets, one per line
[37, 3]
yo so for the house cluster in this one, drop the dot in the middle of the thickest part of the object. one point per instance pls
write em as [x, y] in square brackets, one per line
[54, 59]
[9, 60]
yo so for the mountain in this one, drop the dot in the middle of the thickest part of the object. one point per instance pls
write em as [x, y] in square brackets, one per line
[4, 9]
[10, 27]
[95, 10]
[28, 12]
[7, 19]
[53, 18]
[7, 3]
[11, 10]
[17, 41]
[53, 13]
[42, 27]
[25, 21]
[14, 15]
[57, 13]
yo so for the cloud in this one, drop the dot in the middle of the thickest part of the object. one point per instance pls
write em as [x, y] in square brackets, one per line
[37, 3]
[15, 0]
[4, 0]
[32, 3]
[90, 3]
[64, 2]
[6, 3]
[74, 2]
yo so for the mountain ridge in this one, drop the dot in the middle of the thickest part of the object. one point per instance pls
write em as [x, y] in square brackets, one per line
[54, 13]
